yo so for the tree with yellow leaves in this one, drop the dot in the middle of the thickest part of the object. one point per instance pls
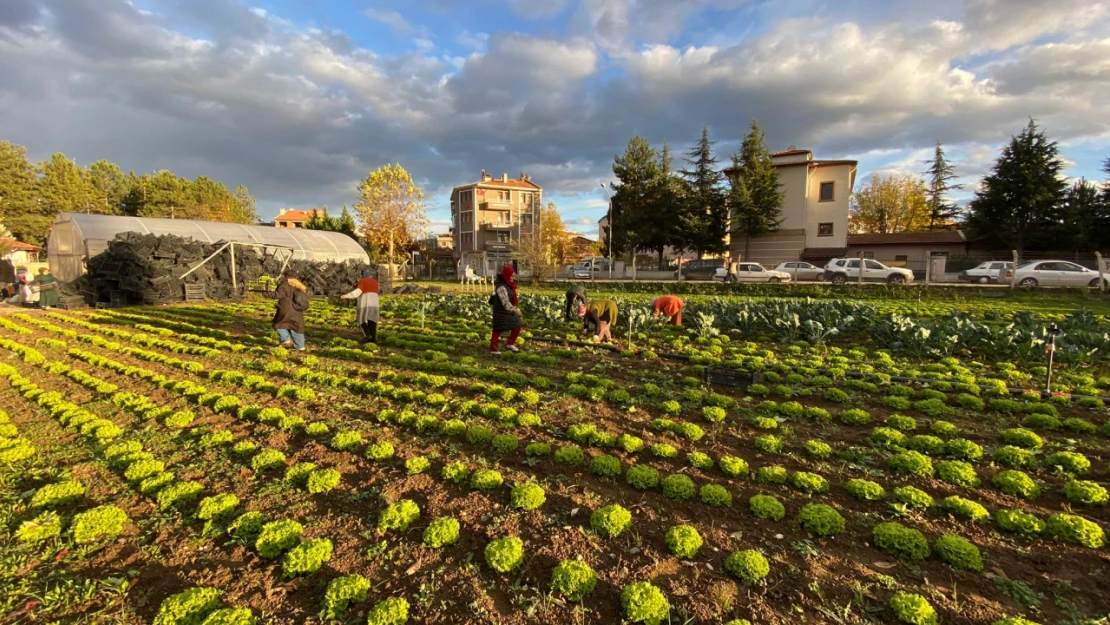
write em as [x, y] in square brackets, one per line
[391, 208]
[896, 203]
[546, 250]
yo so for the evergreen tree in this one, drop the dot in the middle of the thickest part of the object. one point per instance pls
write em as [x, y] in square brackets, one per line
[632, 219]
[246, 210]
[940, 176]
[1086, 219]
[347, 224]
[109, 186]
[755, 201]
[668, 193]
[1023, 196]
[703, 215]
[65, 187]
[20, 209]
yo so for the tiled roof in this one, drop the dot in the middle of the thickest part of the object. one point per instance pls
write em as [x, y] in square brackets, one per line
[496, 183]
[20, 246]
[294, 215]
[947, 237]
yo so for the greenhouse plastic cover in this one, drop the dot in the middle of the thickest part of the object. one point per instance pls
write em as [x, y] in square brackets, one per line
[77, 237]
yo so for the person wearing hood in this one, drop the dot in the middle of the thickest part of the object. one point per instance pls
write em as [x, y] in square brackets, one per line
[671, 306]
[368, 309]
[48, 288]
[292, 302]
[576, 296]
[506, 313]
[601, 314]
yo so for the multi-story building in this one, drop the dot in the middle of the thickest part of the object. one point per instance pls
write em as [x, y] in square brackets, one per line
[291, 218]
[489, 216]
[814, 211]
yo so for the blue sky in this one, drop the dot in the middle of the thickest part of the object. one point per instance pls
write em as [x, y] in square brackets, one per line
[300, 99]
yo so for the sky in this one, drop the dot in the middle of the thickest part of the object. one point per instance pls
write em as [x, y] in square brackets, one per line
[300, 99]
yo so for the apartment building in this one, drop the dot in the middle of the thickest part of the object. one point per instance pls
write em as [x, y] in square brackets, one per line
[814, 211]
[489, 216]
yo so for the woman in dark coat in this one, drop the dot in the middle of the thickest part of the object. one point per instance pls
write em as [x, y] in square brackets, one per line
[292, 301]
[506, 314]
[576, 295]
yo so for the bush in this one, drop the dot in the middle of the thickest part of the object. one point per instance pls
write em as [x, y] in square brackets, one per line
[1085, 492]
[1069, 462]
[913, 609]
[52, 496]
[644, 603]
[965, 509]
[771, 475]
[610, 521]
[911, 463]
[278, 536]
[821, 520]
[392, 611]
[399, 516]
[957, 473]
[306, 558]
[733, 466]
[605, 466]
[958, 552]
[1017, 484]
[1074, 529]
[486, 479]
[527, 496]
[683, 541]
[505, 554]
[748, 565]
[642, 477]
[865, 490]
[902, 542]
[188, 608]
[913, 497]
[570, 454]
[1021, 437]
[574, 579]
[715, 495]
[1019, 522]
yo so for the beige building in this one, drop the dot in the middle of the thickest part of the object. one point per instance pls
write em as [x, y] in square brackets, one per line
[291, 218]
[814, 211]
[489, 216]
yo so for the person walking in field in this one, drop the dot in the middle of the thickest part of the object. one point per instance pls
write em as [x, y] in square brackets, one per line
[292, 302]
[576, 296]
[368, 309]
[670, 306]
[506, 314]
[602, 314]
[48, 288]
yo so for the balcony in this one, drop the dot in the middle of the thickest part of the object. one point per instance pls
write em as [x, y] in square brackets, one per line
[499, 246]
[493, 226]
[494, 204]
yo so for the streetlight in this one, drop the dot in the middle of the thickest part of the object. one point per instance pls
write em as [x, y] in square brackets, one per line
[610, 221]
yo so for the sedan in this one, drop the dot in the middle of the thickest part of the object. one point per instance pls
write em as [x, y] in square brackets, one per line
[1051, 273]
[986, 272]
[754, 272]
[801, 271]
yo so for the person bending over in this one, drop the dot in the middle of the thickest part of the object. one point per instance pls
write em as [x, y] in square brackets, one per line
[576, 296]
[670, 306]
[601, 314]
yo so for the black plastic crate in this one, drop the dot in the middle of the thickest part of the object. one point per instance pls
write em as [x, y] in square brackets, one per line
[737, 378]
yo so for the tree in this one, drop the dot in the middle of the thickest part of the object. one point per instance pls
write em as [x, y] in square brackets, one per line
[64, 187]
[755, 201]
[703, 214]
[318, 219]
[19, 206]
[633, 220]
[109, 186]
[347, 224]
[1086, 218]
[245, 210]
[891, 204]
[391, 208]
[940, 176]
[1022, 197]
[545, 252]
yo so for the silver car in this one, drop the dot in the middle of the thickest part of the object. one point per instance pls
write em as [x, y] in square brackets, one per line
[800, 271]
[1051, 273]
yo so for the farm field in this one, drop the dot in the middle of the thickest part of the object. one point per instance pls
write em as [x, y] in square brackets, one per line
[173, 465]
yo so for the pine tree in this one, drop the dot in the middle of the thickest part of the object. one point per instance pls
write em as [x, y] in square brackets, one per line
[668, 193]
[20, 210]
[108, 187]
[755, 201]
[65, 187]
[632, 221]
[1086, 218]
[1022, 197]
[245, 210]
[940, 176]
[703, 215]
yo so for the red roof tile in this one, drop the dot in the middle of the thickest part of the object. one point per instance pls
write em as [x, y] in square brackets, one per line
[20, 246]
[294, 215]
[946, 237]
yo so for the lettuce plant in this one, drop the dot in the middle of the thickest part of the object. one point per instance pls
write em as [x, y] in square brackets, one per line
[102, 522]
[748, 565]
[45, 526]
[230, 616]
[643, 602]
[902, 542]
[821, 520]
[341, 592]
[306, 558]
[486, 479]
[399, 516]
[1075, 529]
[441, 533]
[913, 609]
[715, 495]
[574, 579]
[684, 541]
[278, 536]
[52, 496]
[188, 608]
[965, 509]
[505, 554]
[958, 552]
[178, 493]
[392, 611]
[611, 521]
[914, 497]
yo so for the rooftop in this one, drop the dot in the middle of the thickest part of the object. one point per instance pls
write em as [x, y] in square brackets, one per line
[294, 215]
[19, 246]
[523, 182]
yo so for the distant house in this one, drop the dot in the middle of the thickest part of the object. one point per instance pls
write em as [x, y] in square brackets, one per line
[908, 249]
[814, 211]
[20, 254]
[291, 218]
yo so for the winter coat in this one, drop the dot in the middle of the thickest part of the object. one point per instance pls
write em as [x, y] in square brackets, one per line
[504, 307]
[286, 317]
[367, 294]
[600, 310]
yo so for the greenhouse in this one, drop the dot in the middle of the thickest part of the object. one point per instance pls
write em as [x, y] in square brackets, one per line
[75, 238]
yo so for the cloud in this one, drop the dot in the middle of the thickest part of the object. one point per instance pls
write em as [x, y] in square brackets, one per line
[392, 19]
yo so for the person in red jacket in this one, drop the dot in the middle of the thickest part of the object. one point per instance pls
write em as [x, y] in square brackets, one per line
[670, 306]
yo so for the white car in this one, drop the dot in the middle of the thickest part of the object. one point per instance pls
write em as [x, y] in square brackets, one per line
[754, 272]
[989, 271]
[1051, 273]
[800, 270]
[843, 270]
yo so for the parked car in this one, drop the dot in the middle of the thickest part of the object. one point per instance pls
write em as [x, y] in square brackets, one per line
[600, 269]
[989, 271]
[704, 269]
[1051, 273]
[842, 270]
[754, 272]
[800, 271]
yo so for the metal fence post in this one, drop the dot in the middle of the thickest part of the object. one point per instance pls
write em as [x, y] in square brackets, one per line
[1013, 278]
[859, 276]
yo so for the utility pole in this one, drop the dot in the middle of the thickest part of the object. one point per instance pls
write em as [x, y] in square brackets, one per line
[610, 221]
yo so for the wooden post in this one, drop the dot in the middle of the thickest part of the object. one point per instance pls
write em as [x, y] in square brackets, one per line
[859, 276]
[1013, 278]
[233, 284]
[928, 267]
[1101, 279]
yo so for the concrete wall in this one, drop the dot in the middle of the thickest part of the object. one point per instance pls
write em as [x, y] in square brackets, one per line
[770, 250]
[834, 212]
[915, 254]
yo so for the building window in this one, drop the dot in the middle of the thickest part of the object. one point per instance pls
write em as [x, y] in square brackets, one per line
[504, 196]
[901, 258]
[825, 229]
[869, 254]
[828, 191]
[502, 237]
[467, 238]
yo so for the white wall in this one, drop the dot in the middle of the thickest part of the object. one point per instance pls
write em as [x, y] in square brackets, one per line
[835, 212]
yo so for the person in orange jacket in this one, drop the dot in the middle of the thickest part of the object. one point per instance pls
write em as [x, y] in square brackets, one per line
[671, 306]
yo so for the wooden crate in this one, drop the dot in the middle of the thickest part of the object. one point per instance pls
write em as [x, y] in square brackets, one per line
[194, 293]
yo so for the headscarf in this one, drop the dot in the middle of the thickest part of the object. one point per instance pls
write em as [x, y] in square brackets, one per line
[43, 271]
[366, 273]
[507, 273]
[289, 273]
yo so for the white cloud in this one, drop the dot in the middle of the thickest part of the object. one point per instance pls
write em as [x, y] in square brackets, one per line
[392, 19]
